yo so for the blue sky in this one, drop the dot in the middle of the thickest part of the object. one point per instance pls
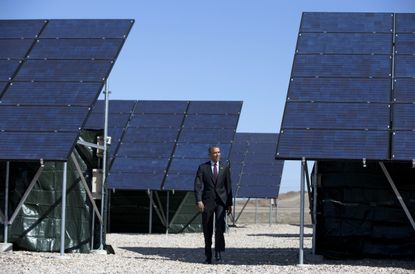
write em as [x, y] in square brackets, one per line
[206, 50]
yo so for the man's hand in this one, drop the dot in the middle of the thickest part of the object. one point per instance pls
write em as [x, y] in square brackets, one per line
[200, 206]
[229, 210]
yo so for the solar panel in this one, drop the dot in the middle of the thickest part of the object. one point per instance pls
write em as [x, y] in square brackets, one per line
[339, 99]
[403, 93]
[346, 22]
[96, 120]
[36, 118]
[20, 28]
[14, 48]
[51, 93]
[76, 49]
[342, 66]
[100, 28]
[159, 139]
[115, 106]
[206, 123]
[334, 43]
[48, 100]
[2, 86]
[333, 144]
[403, 145]
[340, 90]
[7, 69]
[147, 144]
[64, 70]
[336, 116]
[405, 22]
[36, 145]
[255, 172]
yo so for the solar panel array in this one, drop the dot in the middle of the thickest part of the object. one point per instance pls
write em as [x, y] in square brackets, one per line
[255, 173]
[162, 143]
[350, 94]
[51, 73]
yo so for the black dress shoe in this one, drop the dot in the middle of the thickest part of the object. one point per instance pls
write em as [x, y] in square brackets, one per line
[207, 261]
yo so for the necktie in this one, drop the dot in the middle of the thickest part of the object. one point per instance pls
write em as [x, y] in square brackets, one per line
[215, 170]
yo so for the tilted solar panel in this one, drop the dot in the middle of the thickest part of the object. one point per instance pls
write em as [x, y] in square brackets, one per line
[206, 123]
[51, 84]
[21, 28]
[255, 172]
[405, 22]
[339, 99]
[146, 148]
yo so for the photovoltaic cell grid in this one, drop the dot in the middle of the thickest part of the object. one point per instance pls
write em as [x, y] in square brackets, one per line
[205, 124]
[255, 172]
[403, 111]
[344, 95]
[51, 72]
[165, 141]
[144, 154]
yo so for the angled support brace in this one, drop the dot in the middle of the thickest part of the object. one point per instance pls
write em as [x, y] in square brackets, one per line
[161, 208]
[150, 196]
[179, 208]
[398, 195]
[242, 210]
[27, 192]
[84, 183]
[189, 222]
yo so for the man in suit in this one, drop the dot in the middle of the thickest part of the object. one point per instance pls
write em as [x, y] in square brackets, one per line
[213, 192]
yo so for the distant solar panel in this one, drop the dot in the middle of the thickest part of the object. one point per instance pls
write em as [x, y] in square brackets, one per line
[49, 85]
[206, 123]
[405, 22]
[147, 145]
[255, 172]
[339, 99]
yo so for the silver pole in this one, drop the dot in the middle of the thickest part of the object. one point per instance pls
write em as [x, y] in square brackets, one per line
[93, 230]
[270, 211]
[150, 217]
[315, 206]
[104, 167]
[301, 255]
[6, 203]
[65, 167]
[256, 210]
[234, 210]
[167, 212]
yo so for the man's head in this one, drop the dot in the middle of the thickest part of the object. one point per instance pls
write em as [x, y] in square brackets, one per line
[214, 153]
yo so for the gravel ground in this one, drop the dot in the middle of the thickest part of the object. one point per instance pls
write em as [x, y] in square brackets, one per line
[250, 249]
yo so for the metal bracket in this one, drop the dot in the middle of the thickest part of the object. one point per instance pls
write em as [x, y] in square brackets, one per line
[88, 144]
[364, 162]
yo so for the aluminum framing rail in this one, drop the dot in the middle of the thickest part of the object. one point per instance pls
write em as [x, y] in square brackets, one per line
[63, 213]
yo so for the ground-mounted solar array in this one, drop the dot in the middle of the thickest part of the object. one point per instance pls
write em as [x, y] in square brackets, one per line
[255, 172]
[351, 89]
[159, 144]
[51, 73]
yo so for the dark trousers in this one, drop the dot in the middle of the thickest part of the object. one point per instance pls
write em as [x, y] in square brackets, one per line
[207, 223]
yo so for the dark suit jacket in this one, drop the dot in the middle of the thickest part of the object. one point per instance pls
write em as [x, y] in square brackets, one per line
[207, 190]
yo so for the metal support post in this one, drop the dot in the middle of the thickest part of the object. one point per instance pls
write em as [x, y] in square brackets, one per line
[315, 205]
[270, 211]
[234, 211]
[92, 230]
[6, 203]
[301, 251]
[179, 208]
[256, 210]
[63, 214]
[104, 166]
[167, 212]
[150, 209]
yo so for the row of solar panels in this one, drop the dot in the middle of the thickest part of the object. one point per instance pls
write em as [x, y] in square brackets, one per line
[159, 145]
[351, 92]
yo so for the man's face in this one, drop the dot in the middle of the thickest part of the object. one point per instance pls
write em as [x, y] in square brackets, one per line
[215, 154]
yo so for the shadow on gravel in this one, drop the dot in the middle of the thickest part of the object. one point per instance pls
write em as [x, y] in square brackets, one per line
[232, 256]
[261, 256]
